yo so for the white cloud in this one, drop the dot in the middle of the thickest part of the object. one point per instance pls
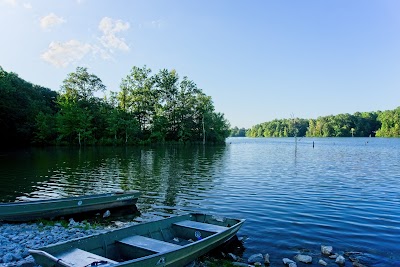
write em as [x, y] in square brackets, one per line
[9, 2]
[16, 3]
[27, 5]
[63, 54]
[50, 21]
[110, 28]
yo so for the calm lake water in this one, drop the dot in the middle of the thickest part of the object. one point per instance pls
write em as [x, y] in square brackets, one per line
[344, 192]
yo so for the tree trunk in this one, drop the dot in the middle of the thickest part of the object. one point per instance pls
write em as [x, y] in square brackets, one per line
[204, 133]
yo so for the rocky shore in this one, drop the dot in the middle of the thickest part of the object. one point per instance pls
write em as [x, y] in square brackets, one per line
[326, 257]
[17, 239]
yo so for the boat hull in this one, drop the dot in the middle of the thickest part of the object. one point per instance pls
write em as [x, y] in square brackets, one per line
[123, 247]
[33, 210]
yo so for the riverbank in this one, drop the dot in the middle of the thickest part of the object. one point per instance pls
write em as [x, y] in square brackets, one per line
[17, 239]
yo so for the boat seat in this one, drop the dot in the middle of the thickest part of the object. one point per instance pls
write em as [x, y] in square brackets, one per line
[202, 226]
[79, 258]
[150, 244]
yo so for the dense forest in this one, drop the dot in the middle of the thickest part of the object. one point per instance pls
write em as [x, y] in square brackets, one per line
[360, 124]
[236, 132]
[148, 108]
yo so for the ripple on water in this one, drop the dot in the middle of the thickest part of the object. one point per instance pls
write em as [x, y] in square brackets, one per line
[343, 192]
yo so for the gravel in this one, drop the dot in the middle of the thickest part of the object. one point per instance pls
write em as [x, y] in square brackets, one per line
[17, 239]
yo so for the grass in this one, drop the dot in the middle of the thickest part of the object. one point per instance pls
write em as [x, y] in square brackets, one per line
[85, 225]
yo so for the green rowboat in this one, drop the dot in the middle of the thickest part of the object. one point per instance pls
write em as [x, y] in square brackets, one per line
[31, 210]
[173, 241]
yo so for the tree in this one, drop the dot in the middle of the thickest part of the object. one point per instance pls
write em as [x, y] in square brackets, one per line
[81, 85]
[186, 108]
[147, 109]
[20, 104]
[167, 85]
[79, 108]
[390, 120]
[236, 132]
[45, 128]
[142, 97]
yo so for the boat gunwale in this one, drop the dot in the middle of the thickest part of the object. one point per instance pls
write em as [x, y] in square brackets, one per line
[194, 244]
[228, 233]
[68, 199]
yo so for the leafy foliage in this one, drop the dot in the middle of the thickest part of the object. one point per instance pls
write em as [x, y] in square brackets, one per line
[390, 121]
[279, 128]
[236, 132]
[22, 109]
[148, 109]
[360, 124]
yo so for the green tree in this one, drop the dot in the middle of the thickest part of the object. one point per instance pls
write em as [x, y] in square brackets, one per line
[45, 128]
[20, 104]
[79, 113]
[236, 132]
[167, 84]
[390, 120]
[81, 85]
[142, 96]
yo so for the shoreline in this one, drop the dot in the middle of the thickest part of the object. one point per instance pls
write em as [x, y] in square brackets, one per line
[17, 238]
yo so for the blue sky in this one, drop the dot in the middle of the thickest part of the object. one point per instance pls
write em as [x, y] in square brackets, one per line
[258, 60]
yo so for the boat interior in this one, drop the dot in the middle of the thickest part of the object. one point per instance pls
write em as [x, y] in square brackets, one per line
[141, 240]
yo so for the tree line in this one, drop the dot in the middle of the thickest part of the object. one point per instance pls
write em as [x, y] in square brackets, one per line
[148, 108]
[236, 132]
[360, 124]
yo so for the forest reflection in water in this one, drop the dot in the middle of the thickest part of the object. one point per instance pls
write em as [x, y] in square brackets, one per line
[167, 176]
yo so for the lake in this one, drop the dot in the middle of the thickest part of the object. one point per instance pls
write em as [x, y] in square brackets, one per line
[343, 192]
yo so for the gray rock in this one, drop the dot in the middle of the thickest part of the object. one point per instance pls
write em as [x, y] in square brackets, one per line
[256, 258]
[18, 254]
[50, 239]
[326, 250]
[8, 258]
[266, 259]
[232, 256]
[289, 262]
[340, 260]
[303, 258]
[26, 262]
[106, 214]
[16, 239]
[25, 253]
[322, 262]
[72, 222]
[334, 256]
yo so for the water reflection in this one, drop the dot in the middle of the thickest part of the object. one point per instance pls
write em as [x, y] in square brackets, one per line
[169, 177]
